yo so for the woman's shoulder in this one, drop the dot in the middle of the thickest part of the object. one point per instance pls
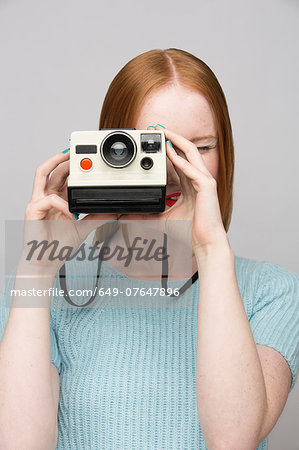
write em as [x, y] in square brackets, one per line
[263, 270]
[265, 281]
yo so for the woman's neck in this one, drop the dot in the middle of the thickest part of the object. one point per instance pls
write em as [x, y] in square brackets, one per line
[138, 252]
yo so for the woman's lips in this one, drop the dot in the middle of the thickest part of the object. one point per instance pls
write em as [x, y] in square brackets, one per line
[172, 198]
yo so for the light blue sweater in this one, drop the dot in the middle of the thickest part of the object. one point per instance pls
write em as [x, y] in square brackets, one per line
[127, 364]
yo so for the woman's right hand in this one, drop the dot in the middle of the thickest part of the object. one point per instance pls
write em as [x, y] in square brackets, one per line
[47, 216]
[48, 199]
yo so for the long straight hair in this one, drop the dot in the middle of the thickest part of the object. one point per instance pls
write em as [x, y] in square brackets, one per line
[155, 69]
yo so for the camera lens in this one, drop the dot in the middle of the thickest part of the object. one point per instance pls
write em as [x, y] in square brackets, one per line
[146, 163]
[118, 149]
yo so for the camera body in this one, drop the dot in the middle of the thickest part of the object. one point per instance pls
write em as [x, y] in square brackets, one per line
[117, 170]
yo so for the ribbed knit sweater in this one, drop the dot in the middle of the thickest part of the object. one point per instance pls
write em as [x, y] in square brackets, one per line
[127, 364]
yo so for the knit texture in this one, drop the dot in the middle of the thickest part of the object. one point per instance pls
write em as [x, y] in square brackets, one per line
[127, 364]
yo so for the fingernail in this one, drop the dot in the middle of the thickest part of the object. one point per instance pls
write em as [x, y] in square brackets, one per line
[159, 125]
[66, 150]
[74, 214]
[169, 142]
[151, 126]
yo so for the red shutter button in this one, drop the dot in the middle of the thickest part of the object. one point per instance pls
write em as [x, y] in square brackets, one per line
[86, 164]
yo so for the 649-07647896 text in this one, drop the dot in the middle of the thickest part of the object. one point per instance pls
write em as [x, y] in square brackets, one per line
[111, 292]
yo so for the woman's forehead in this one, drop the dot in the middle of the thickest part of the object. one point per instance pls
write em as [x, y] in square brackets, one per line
[178, 108]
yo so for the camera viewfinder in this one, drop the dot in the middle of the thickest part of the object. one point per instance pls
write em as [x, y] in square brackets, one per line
[151, 143]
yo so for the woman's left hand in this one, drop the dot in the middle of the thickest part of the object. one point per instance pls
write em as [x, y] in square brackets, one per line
[198, 201]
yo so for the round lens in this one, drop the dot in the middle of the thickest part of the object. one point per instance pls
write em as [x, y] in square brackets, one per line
[146, 163]
[118, 149]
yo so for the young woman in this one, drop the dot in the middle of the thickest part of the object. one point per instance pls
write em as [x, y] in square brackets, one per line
[211, 368]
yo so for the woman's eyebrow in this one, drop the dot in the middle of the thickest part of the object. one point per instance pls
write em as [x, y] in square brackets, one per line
[204, 138]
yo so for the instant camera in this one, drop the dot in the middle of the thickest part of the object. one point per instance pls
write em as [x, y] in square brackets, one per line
[117, 170]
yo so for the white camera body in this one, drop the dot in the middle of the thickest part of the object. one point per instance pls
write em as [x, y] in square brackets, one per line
[117, 170]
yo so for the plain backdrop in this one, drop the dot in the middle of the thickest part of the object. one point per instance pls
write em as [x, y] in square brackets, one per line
[58, 58]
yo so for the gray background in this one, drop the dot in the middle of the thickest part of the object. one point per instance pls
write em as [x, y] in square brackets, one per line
[58, 58]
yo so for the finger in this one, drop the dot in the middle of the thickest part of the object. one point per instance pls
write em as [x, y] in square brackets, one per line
[184, 183]
[187, 187]
[58, 177]
[178, 171]
[63, 193]
[43, 171]
[37, 210]
[195, 175]
[188, 148]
